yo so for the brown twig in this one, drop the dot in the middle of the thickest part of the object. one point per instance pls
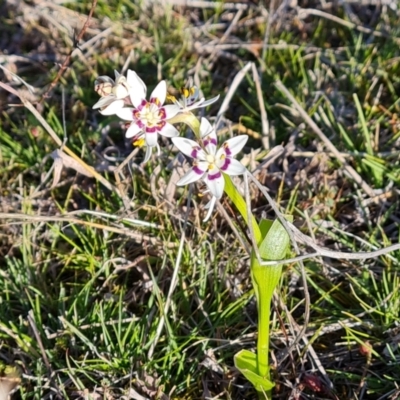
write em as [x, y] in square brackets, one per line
[68, 58]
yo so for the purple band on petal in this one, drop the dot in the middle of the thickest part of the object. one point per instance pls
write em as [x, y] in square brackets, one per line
[194, 152]
[217, 175]
[197, 170]
[142, 105]
[156, 101]
[226, 164]
[162, 114]
[207, 140]
[152, 129]
[156, 128]
[227, 151]
[140, 124]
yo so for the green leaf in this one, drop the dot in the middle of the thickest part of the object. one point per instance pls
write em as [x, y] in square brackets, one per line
[276, 240]
[246, 363]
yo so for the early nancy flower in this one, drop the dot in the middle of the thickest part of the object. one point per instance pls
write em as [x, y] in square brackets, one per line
[149, 118]
[189, 99]
[209, 164]
[113, 94]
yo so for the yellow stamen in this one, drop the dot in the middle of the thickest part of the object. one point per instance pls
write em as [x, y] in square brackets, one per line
[187, 92]
[139, 143]
[171, 98]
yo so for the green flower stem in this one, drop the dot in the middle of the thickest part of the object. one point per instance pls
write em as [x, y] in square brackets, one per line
[265, 279]
[240, 204]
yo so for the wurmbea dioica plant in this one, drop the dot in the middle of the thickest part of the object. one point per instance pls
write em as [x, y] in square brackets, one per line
[213, 164]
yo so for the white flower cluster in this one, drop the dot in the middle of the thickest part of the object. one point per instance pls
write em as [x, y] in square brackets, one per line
[126, 98]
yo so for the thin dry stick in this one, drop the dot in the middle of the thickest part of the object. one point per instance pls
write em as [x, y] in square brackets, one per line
[348, 168]
[222, 210]
[309, 226]
[208, 4]
[320, 251]
[231, 26]
[58, 141]
[235, 83]
[117, 175]
[224, 37]
[32, 323]
[118, 218]
[61, 218]
[273, 154]
[350, 154]
[304, 13]
[358, 239]
[294, 326]
[68, 58]
[264, 118]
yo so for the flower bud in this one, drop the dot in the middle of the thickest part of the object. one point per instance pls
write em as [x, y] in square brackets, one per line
[121, 88]
[103, 85]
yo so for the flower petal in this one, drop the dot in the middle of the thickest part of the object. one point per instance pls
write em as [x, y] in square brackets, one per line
[104, 101]
[169, 130]
[190, 177]
[159, 93]
[125, 113]
[190, 95]
[206, 128]
[215, 182]
[104, 79]
[188, 147]
[170, 111]
[121, 91]
[210, 205]
[203, 103]
[149, 151]
[151, 138]
[113, 108]
[132, 131]
[137, 88]
[235, 145]
[231, 166]
[210, 101]
[209, 136]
